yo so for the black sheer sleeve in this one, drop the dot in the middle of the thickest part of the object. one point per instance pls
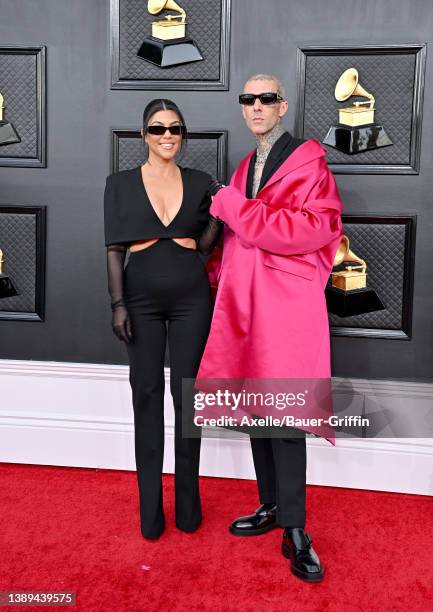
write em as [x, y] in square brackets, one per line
[210, 236]
[121, 322]
[214, 187]
[213, 231]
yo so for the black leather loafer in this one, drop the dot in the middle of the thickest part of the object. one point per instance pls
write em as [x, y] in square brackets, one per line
[304, 562]
[264, 519]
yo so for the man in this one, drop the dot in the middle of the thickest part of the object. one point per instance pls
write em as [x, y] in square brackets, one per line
[282, 229]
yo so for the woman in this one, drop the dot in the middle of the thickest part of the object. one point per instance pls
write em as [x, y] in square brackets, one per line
[160, 212]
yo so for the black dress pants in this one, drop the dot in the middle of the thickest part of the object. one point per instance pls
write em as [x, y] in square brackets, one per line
[167, 292]
[281, 466]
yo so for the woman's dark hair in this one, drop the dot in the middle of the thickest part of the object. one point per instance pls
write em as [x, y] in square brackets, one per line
[160, 104]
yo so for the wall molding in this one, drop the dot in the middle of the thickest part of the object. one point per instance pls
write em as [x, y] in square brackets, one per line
[73, 414]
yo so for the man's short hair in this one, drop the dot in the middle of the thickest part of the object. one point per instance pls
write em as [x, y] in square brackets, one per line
[269, 77]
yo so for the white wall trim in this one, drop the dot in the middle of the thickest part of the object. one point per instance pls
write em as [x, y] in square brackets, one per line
[74, 414]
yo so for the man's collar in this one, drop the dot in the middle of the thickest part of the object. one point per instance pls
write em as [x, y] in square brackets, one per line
[279, 145]
[303, 153]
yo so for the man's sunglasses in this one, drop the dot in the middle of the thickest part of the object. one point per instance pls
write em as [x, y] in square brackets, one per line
[159, 130]
[265, 98]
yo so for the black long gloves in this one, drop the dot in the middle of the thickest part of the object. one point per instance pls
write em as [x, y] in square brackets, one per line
[120, 322]
[213, 231]
[210, 236]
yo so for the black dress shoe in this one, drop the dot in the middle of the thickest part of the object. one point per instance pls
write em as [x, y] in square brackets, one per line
[264, 519]
[305, 563]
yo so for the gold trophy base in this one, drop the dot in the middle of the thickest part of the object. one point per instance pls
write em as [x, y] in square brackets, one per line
[168, 30]
[356, 115]
[347, 280]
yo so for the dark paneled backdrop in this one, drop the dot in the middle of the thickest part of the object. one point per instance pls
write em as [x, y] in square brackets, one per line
[82, 109]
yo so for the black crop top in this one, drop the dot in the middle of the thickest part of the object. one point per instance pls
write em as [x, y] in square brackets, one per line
[130, 217]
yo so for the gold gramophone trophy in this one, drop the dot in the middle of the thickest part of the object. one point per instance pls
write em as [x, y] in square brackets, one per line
[169, 44]
[348, 294]
[8, 134]
[356, 131]
[7, 288]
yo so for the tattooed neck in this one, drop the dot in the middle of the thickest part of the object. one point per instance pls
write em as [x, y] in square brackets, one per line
[266, 141]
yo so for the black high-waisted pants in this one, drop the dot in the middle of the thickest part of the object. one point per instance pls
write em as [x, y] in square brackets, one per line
[166, 291]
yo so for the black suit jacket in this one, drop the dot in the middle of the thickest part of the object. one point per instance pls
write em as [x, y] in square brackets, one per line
[280, 151]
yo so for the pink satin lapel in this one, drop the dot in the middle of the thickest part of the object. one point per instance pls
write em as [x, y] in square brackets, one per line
[305, 153]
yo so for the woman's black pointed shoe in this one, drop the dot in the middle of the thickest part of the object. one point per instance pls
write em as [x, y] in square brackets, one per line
[264, 519]
[304, 562]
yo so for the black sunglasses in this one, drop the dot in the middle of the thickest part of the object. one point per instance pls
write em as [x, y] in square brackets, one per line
[265, 98]
[159, 130]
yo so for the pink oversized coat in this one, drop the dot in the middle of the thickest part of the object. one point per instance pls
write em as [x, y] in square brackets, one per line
[270, 318]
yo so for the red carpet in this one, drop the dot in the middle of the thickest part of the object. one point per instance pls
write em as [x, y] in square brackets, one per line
[76, 529]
